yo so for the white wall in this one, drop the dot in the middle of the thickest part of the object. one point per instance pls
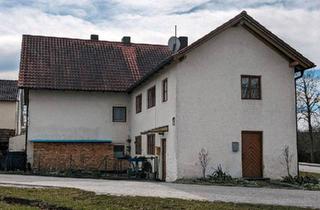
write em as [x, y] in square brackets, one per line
[7, 115]
[17, 143]
[160, 115]
[211, 114]
[76, 115]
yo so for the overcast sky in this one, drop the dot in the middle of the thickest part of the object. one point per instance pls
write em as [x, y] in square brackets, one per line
[150, 21]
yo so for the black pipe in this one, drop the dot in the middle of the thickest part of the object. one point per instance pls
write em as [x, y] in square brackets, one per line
[296, 111]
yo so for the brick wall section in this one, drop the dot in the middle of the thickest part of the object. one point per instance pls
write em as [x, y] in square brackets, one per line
[76, 156]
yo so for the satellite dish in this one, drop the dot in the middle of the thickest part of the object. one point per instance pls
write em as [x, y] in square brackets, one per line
[174, 44]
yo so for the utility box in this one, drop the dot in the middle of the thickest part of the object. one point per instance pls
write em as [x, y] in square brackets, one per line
[235, 146]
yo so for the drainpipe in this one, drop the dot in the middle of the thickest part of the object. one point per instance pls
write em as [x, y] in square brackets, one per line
[296, 111]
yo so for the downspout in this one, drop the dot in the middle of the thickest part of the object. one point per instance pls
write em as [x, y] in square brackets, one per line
[26, 103]
[296, 111]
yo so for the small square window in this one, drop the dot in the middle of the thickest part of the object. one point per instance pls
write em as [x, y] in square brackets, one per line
[118, 151]
[250, 87]
[119, 114]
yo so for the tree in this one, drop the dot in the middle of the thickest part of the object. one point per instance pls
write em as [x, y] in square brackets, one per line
[287, 158]
[204, 160]
[308, 105]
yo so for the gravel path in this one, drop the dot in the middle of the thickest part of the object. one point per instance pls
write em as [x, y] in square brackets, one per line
[158, 189]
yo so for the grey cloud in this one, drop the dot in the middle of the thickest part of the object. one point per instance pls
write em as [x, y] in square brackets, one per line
[251, 4]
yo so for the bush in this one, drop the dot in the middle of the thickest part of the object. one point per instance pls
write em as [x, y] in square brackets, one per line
[219, 175]
[300, 180]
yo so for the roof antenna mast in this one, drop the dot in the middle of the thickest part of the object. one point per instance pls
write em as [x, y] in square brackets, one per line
[175, 30]
[174, 42]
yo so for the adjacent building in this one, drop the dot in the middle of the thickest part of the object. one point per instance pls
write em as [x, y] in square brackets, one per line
[9, 114]
[232, 92]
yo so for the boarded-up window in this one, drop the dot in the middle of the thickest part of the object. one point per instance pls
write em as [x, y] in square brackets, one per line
[151, 144]
[152, 97]
[138, 145]
[250, 87]
[138, 103]
[164, 90]
[119, 114]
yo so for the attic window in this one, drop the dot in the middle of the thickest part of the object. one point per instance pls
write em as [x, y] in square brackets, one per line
[250, 87]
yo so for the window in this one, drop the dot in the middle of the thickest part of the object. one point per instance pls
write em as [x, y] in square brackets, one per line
[151, 144]
[250, 87]
[165, 90]
[118, 151]
[152, 97]
[119, 114]
[138, 103]
[138, 145]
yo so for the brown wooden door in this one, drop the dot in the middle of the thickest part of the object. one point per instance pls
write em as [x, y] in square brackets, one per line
[251, 154]
[164, 160]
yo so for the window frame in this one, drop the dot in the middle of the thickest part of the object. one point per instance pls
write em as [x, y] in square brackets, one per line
[250, 77]
[165, 90]
[151, 144]
[125, 114]
[138, 138]
[149, 104]
[139, 102]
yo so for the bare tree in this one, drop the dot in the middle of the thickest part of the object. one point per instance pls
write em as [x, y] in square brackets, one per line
[204, 160]
[287, 158]
[308, 103]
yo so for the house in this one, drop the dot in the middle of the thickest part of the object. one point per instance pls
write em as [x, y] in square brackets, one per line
[9, 117]
[231, 92]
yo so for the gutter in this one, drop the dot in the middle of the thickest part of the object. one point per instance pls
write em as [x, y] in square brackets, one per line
[296, 112]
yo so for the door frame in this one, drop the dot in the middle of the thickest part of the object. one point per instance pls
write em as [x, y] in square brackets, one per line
[163, 159]
[261, 138]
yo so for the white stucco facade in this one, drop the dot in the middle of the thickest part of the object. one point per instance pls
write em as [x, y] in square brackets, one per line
[163, 114]
[75, 115]
[8, 114]
[204, 109]
[212, 115]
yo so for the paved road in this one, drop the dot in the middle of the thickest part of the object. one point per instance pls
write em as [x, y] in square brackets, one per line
[158, 189]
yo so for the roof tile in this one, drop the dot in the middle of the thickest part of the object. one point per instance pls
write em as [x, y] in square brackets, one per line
[77, 64]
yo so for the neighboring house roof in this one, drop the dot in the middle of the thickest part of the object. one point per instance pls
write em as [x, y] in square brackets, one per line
[294, 57]
[91, 65]
[8, 90]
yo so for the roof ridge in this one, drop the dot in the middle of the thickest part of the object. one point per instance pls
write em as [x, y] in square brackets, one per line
[101, 41]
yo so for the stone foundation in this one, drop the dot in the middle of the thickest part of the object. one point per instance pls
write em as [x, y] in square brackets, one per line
[76, 156]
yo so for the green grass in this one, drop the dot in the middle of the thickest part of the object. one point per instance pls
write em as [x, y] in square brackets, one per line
[77, 199]
[15, 207]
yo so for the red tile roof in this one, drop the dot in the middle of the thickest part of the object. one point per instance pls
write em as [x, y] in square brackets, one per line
[8, 90]
[77, 64]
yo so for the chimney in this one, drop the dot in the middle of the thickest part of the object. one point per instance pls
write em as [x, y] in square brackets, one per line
[126, 40]
[183, 42]
[94, 37]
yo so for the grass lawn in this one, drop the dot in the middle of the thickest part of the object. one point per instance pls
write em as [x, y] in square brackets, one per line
[65, 198]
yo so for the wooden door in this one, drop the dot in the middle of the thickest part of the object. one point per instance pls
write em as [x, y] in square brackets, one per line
[164, 159]
[252, 154]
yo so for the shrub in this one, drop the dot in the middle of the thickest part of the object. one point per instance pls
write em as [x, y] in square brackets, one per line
[300, 180]
[219, 175]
